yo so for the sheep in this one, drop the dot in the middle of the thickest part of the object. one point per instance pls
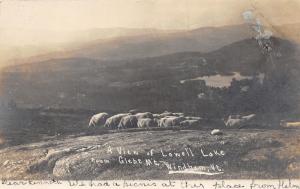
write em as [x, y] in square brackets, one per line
[144, 115]
[170, 121]
[113, 122]
[239, 121]
[98, 119]
[129, 121]
[147, 122]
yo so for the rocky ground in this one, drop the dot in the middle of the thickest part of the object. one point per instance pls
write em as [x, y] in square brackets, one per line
[157, 154]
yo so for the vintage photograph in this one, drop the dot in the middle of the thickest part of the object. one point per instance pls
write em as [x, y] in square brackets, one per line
[149, 89]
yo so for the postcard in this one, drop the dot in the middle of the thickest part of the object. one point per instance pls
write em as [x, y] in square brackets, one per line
[150, 94]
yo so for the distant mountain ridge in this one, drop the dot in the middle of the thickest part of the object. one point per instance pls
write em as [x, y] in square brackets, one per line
[149, 45]
[126, 43]
[142, 43]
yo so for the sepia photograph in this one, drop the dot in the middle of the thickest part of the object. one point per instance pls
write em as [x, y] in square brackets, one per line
[150, 90]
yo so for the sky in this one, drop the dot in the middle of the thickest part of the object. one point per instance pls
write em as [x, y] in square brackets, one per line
[39, 22]
[162, 14]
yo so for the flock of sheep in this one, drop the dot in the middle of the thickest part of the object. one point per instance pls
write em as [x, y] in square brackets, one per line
[133, 119]
[142, 120]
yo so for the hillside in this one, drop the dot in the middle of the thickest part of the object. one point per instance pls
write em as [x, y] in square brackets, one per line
[152, 84]
[255, 154]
